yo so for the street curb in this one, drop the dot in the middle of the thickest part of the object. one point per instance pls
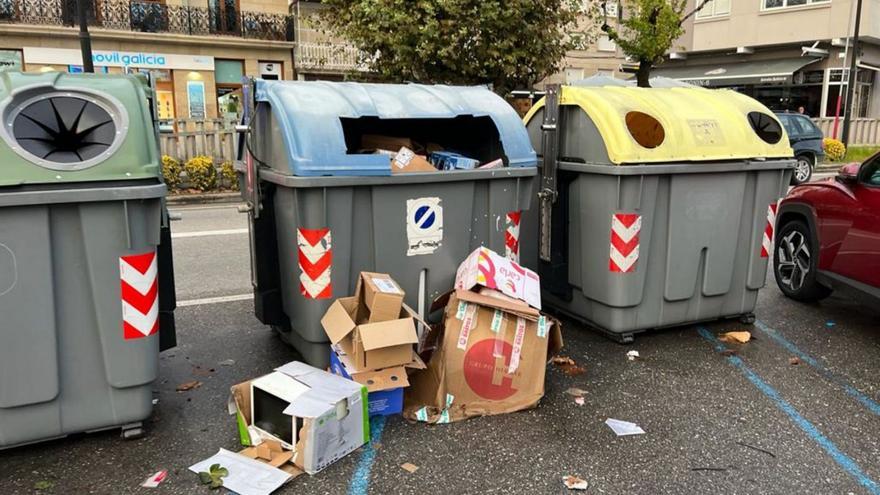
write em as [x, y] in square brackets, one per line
[206, 198]
[825, 168]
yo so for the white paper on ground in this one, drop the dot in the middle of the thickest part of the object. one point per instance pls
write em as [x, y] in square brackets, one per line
[246, 476]
[623, 428]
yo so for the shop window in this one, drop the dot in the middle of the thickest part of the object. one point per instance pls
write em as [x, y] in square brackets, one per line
[714, 8]
[646, 130]
[227, 76]
[781, 4]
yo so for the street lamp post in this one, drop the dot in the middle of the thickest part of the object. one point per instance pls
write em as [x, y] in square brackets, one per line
[85, 40]
[851, 79]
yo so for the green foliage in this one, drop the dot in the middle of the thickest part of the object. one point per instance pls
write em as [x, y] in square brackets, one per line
[835, 151]
[505, 43]
[860, 153]
[228, 176]
[214, 476]
[44, 485]
[201, 173]
[171, 170]
[648, 30]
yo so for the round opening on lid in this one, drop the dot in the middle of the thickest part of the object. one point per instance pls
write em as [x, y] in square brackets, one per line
[646, 130]
[766, 127]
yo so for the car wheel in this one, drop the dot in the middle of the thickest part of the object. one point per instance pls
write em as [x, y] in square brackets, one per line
[794, 263]
[803, 170]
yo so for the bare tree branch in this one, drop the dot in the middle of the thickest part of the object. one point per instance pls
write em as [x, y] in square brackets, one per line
[691, 13]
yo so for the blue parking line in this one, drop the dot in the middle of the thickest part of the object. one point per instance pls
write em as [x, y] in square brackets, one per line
[842, 460]
[853, 392]
[360, 481]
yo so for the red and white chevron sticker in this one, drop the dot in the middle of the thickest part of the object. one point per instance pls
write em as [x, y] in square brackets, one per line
[315, 260]
[625, 228]
[138, 274]
[767, 242]
[511, 235]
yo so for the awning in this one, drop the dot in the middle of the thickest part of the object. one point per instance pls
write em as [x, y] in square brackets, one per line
[777, 71]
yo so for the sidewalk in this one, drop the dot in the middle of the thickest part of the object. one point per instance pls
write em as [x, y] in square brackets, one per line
[180, 199]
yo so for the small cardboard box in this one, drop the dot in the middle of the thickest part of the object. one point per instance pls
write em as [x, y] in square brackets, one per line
[380, 295]
[406, 161]
[384, 387]
[491, 359]
[370, 346]
[489, 269]
[333, 413]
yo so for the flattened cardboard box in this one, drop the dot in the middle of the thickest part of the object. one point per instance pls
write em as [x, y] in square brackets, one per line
[491, 360]
[380, 295]
[489, 269]
[370, 346]
[324, 437]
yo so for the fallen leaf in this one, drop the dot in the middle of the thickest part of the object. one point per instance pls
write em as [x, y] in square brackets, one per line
[728, 352]
[568, 366]
[183, 387]
[563, 360]
[577, 392]
[794, 361]
[735, 337]
[409, 467]
[44, 485]
[574, 483]
[579, 401]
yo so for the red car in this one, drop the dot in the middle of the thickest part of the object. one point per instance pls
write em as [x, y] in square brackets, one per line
[828, 234]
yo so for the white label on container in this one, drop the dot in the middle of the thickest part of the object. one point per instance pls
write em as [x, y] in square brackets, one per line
[386, 286]
[424, 225]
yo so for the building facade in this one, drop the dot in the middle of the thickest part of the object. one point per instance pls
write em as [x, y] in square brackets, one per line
[788, 54]
[197, 51]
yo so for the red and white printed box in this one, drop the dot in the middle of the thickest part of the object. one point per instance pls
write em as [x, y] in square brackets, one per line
[489, 269]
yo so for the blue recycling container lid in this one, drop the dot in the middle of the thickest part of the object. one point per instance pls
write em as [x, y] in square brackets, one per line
[310, 115]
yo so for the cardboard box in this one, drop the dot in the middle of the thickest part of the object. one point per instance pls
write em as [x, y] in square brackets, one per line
[380, 295]
[384, 387]
[331, 410]
[370, 346]
[489, 269]
[407, 161]
[491, 360]
[448, 160]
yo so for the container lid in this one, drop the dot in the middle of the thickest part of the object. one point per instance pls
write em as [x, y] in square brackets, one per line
[677, 124]
[309, 113]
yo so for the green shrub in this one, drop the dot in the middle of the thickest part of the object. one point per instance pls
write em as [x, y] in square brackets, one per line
[201, 173]
[171, 170]
[834, 149]
[228, 177]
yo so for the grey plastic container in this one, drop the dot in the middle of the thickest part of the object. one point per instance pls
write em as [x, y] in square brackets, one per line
[699, 246]
[64, 364]
[296, 135]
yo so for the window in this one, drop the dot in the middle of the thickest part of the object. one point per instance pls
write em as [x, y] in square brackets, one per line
[870, 172]
[715, 8]
[604, 44]
[781, 4]
[837, 79]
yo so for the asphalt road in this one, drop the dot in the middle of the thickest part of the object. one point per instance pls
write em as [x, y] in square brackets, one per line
[747, 423]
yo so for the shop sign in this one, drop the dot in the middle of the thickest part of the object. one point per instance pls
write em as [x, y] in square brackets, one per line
[113, 58]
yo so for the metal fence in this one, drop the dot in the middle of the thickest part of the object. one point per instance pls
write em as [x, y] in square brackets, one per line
[861, 131]
[224, 18]
[212, 137]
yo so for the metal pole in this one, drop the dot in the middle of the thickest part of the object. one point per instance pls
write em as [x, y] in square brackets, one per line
[85, 40]
[851, 79]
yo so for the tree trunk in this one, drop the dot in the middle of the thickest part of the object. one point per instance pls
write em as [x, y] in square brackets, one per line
[643, 74]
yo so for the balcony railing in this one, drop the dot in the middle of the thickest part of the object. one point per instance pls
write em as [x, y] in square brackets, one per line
[151, 17]
[335, 57]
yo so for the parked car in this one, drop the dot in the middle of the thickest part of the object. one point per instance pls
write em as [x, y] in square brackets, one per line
[828, 234]
[806, 140]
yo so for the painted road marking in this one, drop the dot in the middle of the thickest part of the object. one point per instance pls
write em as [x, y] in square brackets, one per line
[214, 300]
[863, 399]
[360, 481]
[206, 233]
[842, 460]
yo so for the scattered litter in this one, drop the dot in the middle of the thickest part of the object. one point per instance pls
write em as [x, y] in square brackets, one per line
[794, 361]
[227, 362]
[244, 475]
[708, 469]
[184, 387]
[577, 392]
[213, 477]
[632, 355]
[44, 485]
[579, 401]
[154, 480]
[562, 360]
[735, 337]
[574, 483]
[409, 467]
[759, 449]
[624, 428]
[568, 366]
[830, 323]
[728, 352]
[155, 401]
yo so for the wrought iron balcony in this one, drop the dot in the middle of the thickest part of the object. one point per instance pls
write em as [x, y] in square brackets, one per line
[153, 17]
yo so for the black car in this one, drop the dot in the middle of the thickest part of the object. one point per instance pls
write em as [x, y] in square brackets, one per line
[806, 140]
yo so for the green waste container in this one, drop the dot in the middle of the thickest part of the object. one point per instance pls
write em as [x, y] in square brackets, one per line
[657, 204]
[86, 283]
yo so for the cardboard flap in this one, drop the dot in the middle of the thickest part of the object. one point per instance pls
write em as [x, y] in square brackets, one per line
[555, 343]
[441, 301]
[412, 314]
[388, 334]
[526, 312]
[386, 379]
[417, 363]
[338, 321]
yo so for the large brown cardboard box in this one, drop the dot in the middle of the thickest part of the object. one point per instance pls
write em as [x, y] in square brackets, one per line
[491, 359]
[380, 295]
[370, 346]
